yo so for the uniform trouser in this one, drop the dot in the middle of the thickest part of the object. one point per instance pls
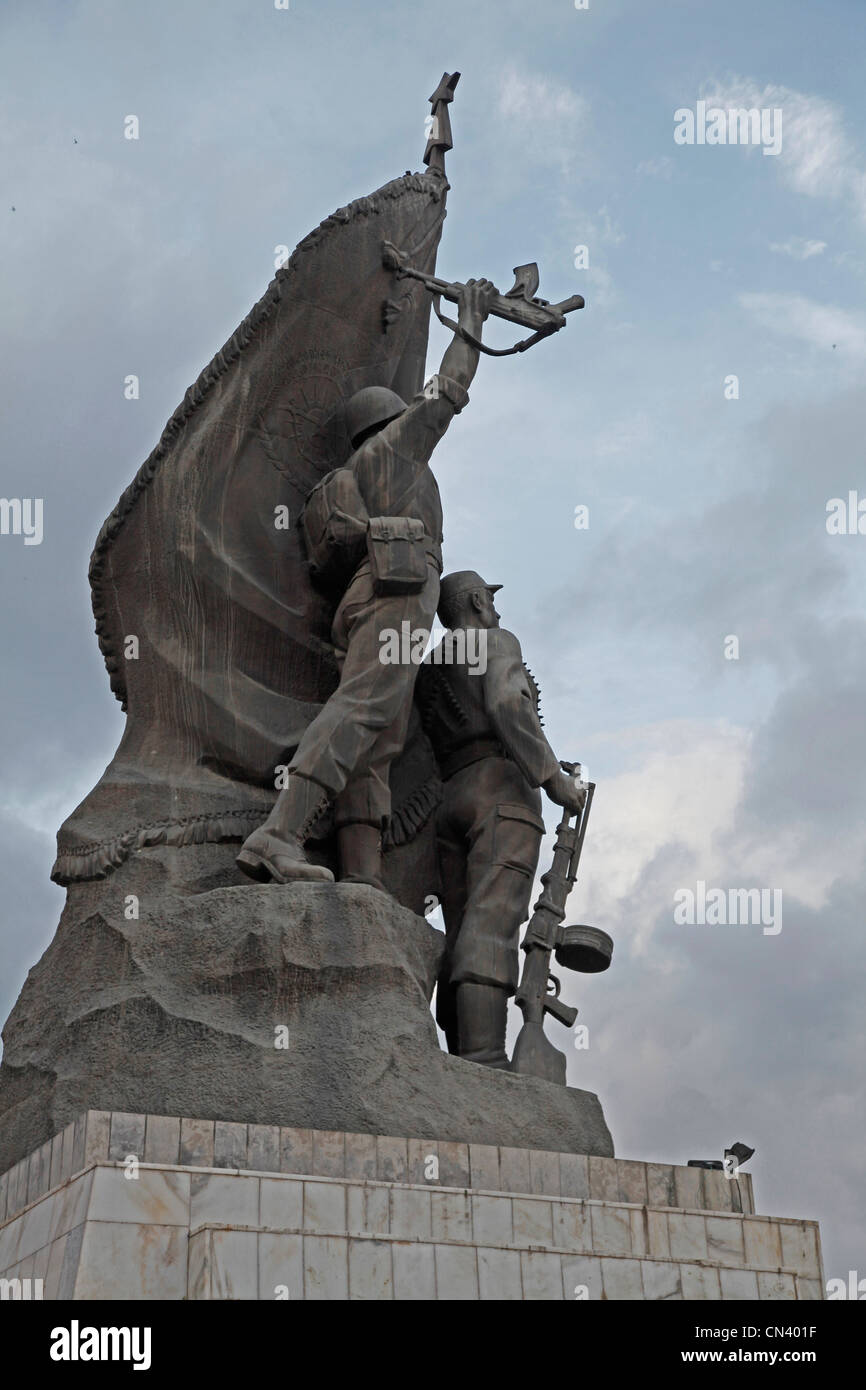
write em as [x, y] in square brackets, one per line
[489, 831]
[350, 745]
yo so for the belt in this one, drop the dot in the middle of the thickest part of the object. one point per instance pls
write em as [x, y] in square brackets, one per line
[471, 752]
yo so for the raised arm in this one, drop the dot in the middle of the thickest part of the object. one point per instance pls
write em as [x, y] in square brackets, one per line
[460, 362]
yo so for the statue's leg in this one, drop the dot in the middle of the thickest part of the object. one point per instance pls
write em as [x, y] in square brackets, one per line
[452, 852]
[501, 866]
[363, 808]
[371, 696]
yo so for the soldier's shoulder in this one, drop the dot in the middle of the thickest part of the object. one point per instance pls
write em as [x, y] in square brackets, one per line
[503, 642]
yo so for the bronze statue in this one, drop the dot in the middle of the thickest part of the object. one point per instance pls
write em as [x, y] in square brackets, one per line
[285, 518]
[493, 756]
[346, 753]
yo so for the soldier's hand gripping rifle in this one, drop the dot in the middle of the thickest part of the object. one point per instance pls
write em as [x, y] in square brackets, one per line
[586, 949]
[518, 305]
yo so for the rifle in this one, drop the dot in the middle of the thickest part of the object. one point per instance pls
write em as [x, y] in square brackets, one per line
[582, 948]
[518, 305]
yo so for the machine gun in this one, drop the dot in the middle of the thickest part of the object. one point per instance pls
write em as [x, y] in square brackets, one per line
[581, 948]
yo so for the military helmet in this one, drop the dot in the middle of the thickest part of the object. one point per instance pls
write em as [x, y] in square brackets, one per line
[461, 582]
[373, 406]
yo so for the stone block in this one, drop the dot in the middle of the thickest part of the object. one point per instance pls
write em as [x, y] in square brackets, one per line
[581, 1278]
[541, 1273]
[368, 1210]
[454, 1165]
[361, 1157]
[325, 1207]
[126, 1137]
[410, 1216]
[738, 1285]
[263, 1148]
[329, 1153]
[230, 1145]
[491, 1221]
[235, 1265]
[196, 1143]
[700, 1282]
[451, 1215]
[281, 1204]
[499, 1275]
[456, 1272]
[222, 1199]
[688, 1236]
[281, 1266]
[632, 1181]
[574, 1175]
[800, 1248]
[533, 1221]
[484, 1167]
[611, 1230]
[514, 1170]
[296, 1150]
[414, 1272]
[392, 1159]
[621, 1279]
[725, 1241]
[162, 1140]
[123, 1260]
[572, 1228]
[326, 1267]
[371, 1276]
[544, 1173]
[661, 1281]
[603, 1180]
[776, 1286]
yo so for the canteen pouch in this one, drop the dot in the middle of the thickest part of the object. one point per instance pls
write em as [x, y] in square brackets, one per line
[397, 550]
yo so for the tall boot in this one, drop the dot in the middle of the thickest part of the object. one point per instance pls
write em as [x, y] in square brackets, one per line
[482, 1012]
[446, 1010]
[360, 849]
[276, 850]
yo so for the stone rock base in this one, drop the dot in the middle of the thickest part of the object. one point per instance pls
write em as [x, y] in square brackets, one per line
[123, 1206]
[304, 1005]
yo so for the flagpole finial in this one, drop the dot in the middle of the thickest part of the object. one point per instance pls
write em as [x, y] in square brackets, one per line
[439, 133]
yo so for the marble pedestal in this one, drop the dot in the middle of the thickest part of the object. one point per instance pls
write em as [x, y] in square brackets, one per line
[122, 1206]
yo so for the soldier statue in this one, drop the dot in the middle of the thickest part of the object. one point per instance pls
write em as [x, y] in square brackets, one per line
[373, 528]
[483, 721]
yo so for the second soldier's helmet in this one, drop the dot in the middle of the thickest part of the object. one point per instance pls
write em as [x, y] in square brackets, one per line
[370, 409]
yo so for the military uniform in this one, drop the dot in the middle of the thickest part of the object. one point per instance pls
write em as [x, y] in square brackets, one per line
[493, 754]
[349, 746]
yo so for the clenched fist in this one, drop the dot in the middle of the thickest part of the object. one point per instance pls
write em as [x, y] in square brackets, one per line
[565, 792]
[476, 297]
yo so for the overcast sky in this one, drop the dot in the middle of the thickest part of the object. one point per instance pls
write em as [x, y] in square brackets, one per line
[707, 514]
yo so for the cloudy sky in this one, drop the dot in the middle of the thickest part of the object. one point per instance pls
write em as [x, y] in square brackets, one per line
[706, 504]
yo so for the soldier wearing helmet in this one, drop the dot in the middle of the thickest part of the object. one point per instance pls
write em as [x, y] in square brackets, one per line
[382, 514]
[483, 722]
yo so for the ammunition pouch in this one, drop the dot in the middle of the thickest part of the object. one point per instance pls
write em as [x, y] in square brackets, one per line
[397, 549]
